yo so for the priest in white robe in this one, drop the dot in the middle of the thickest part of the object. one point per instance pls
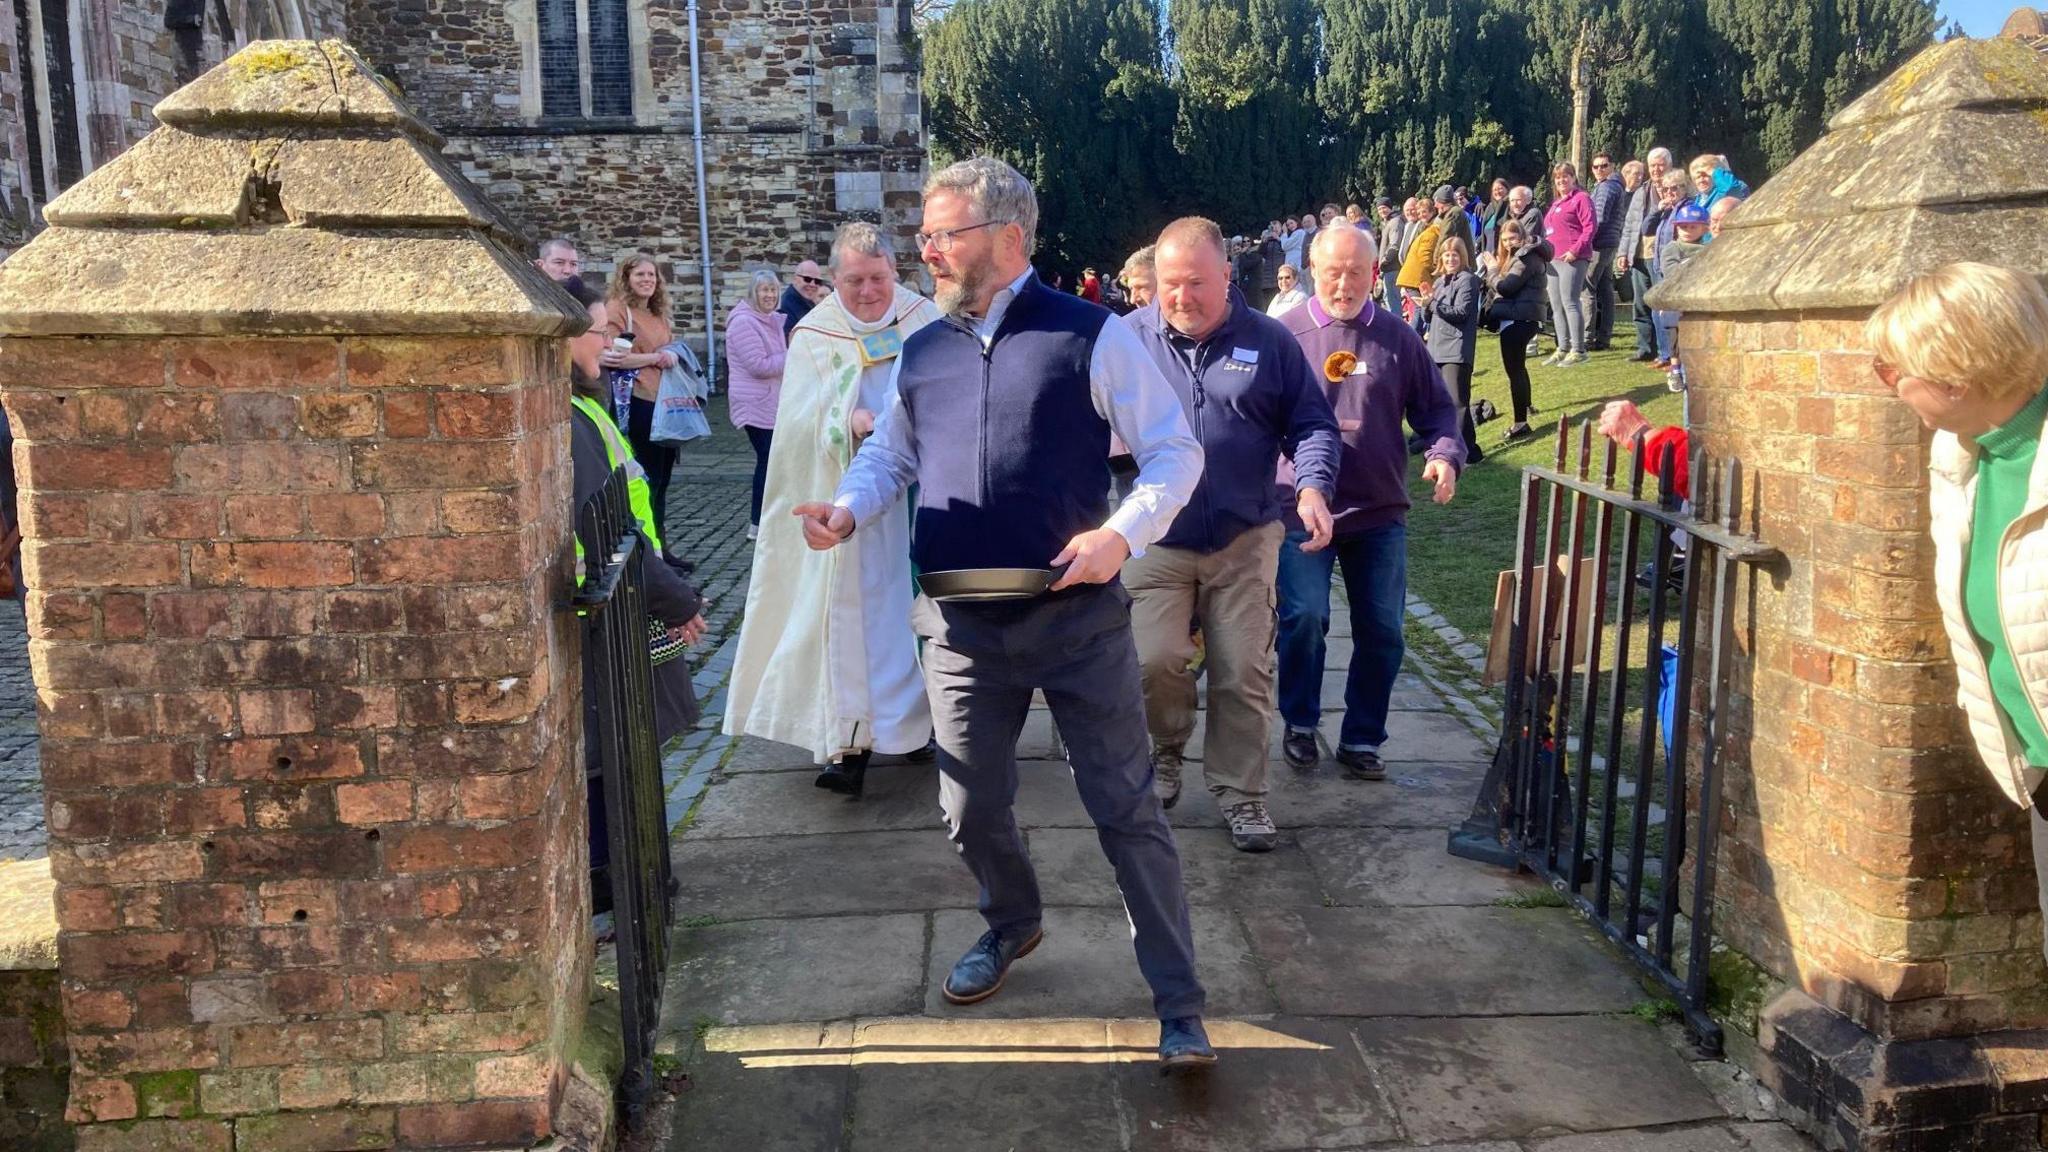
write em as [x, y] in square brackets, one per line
[827, 660]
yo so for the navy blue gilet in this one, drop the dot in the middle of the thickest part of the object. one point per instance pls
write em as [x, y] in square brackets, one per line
[1012, 458]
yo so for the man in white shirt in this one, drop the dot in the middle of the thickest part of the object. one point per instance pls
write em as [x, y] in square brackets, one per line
[1002, 416]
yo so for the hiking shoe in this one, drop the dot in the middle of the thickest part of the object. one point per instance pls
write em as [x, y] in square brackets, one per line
[979, 974]
[1361, 763]
[1166, 779]
[1300, 748]
[1251, 828]
[1554, 359]
[1572, 360]
[1184, 1044]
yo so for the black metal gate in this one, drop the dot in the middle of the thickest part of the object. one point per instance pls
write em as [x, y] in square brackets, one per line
[613, 604]
[1574, 796]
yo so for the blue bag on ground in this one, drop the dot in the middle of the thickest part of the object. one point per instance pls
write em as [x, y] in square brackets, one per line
[1667, 697]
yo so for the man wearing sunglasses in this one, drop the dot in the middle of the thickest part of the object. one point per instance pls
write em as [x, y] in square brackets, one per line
[1610, 211]
[807, 286]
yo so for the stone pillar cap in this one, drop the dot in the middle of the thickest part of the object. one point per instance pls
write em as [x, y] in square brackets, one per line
[289, 191]
[1945, 160]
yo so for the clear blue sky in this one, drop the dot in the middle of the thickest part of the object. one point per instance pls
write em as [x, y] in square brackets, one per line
[1979, 17]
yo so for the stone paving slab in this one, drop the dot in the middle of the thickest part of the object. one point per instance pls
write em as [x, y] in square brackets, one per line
[901, 797]
[774, 971]
[1470, 1079]
[1711, 1138]
[1085, 967]
[781, 876]
[1405, 866]
[1414, 795]
[778, 1089]
[1073, 870]
[1437, 962]
[984, 1107]
[1282, 1084]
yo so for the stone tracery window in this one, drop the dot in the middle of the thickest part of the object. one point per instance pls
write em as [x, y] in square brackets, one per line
[586, 59]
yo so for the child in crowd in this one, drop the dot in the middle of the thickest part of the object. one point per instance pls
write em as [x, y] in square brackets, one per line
[1689, 225]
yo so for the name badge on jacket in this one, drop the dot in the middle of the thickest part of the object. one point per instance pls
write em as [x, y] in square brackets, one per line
[1243, 360]
[879, 347]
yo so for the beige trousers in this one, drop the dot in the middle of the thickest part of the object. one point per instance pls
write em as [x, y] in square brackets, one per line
[1230, 594]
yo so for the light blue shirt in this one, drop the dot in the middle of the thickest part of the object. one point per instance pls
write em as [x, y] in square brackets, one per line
[1128, 391]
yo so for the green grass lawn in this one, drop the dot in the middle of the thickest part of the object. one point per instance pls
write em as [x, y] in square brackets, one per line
[1456, 550]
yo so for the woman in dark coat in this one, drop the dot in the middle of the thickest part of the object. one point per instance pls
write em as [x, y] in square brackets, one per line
[1520, 278]
[1454, 330]
[672, 601]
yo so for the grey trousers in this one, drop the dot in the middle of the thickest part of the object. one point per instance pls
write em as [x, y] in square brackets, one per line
[981, 663]
[1567, 317]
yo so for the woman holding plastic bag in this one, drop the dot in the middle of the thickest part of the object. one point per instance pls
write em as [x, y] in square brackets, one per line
[756, 348]
[637, 307]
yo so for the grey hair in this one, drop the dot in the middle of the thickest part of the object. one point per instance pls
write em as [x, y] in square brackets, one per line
[1522, 190]
[860, 238]
[1141, 261]
[1656, 152]
[996, 190]
[761, 276]
[1327, 238]
[558, 242]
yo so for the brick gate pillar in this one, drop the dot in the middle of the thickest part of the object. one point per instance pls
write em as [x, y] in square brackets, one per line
[291, 418]
[1870, 868]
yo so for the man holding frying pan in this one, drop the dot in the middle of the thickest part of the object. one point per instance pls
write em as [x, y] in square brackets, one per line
[1002, 417]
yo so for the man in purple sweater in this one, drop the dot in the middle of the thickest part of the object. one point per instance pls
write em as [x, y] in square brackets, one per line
[1375, 371]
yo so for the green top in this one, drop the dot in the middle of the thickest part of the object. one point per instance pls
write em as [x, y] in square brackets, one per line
[2005, 465]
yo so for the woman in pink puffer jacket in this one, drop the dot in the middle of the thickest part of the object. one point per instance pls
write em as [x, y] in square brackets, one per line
[756, 347]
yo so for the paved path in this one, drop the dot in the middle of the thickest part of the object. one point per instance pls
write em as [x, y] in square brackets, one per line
[21, 783]
[1366, 989]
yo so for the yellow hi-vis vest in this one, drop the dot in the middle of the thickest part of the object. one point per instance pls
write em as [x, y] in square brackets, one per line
[618, 452]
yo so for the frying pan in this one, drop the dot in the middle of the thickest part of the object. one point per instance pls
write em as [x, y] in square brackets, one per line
[985, 583]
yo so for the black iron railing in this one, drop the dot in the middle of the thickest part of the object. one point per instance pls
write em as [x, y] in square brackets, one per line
[620, 728]
[1577, 792]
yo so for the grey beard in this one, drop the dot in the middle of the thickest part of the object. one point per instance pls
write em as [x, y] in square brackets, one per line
[954, 296]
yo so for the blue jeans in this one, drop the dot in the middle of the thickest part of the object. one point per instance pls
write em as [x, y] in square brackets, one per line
[1376, 585]
[1666, 323]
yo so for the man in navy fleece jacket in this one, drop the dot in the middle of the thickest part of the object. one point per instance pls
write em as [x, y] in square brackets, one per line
[1250, 398]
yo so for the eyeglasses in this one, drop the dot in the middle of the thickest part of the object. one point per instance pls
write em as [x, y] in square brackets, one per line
[813, 281]
[942, 241]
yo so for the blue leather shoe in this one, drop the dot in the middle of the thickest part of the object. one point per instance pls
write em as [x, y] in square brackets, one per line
[1183, 1044]
[979, 974]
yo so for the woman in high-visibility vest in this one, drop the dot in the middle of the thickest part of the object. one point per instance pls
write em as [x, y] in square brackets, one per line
[598, 448]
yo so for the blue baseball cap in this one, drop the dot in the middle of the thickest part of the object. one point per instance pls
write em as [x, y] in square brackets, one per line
[1690, 212]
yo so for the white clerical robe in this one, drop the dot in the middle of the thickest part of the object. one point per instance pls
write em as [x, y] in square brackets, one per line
[826, 659]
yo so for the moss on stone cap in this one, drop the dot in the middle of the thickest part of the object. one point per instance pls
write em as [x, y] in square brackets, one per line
[284, 84]
[1945, 160]
[290, 191]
